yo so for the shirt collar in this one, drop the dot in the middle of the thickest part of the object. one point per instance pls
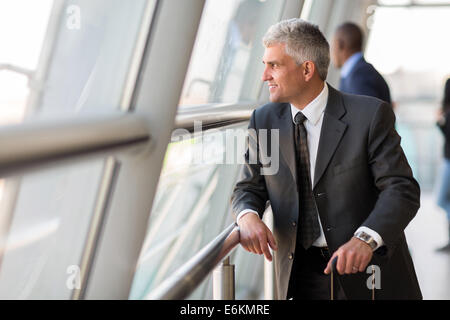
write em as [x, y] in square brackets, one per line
[350, 63]
[313, 111]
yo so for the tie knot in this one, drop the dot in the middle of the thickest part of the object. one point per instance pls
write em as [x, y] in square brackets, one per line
[299, 118]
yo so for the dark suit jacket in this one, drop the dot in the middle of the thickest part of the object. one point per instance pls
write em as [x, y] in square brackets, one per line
[362, 178]
[364, 79]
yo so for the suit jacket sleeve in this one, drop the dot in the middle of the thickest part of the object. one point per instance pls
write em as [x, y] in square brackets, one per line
[250, 191]
[399, 193]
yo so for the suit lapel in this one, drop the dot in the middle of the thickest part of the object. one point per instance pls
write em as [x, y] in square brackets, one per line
[331, 133]
[285, 125]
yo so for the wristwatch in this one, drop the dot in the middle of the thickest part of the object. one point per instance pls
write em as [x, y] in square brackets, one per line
[367, 238]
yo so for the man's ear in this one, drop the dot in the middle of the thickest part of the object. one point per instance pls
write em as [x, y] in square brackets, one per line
[340, 44]
[309, 70]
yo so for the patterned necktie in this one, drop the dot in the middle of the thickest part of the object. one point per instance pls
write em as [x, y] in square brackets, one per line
[309, 223]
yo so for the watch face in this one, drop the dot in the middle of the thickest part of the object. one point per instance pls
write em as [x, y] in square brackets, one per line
[365, 236]
[368, 239]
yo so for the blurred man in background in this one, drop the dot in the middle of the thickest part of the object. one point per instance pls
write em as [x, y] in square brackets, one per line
[357, 75]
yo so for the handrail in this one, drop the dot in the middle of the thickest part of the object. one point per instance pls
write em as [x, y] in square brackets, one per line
[13, 68]
[214, 115]
[40, 143]
[187, 278]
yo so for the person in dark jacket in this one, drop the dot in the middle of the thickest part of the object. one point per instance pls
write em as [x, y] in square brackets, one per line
[337, 180]
[357, 75]
[444, 190]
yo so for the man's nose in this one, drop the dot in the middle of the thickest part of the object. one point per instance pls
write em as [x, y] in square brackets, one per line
[266, 76]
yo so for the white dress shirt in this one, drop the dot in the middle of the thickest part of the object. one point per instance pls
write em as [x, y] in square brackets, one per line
[314, 113]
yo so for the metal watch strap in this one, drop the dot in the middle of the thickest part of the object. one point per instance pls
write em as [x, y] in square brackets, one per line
[366, 238]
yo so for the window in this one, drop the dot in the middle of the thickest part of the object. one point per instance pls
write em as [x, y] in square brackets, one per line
[191, 206]
[59, 54]
[226, 60]
[22, 33]
[77, 56]
[46, 233]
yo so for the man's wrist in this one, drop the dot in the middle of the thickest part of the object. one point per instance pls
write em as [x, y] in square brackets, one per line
[244, 212]
[366, 238]
[375, 235]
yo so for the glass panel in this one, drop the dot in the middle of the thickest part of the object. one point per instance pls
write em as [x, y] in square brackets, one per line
[191, 206]
[12, 100]
[226, 61]
[22, 35]
[75, 53]
[61, 57]
[46, 234]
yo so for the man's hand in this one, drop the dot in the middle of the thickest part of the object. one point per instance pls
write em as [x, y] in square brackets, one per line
[353, 257]
[255, 236]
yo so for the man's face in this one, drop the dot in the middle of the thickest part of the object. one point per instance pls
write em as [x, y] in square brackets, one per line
[283, 75]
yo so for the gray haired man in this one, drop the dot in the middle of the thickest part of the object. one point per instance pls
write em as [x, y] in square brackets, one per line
[343, 189]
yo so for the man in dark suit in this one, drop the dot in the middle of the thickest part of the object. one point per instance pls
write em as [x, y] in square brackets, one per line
[357, 75]
[343, 187]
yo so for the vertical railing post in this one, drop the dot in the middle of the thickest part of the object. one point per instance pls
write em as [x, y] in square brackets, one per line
[269, 271]
[223, 281]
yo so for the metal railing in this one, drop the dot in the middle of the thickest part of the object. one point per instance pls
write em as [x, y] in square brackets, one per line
[41, 143]
[213, 115]
[187, 278]
[17, 69]
[44, 143]
[223, 281]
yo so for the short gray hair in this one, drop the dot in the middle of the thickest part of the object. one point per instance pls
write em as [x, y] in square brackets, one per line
[303, 41]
